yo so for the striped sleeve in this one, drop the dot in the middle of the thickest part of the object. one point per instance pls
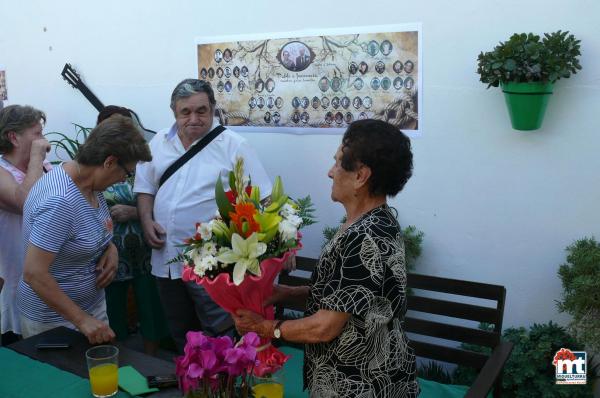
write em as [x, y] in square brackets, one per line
[52, 224]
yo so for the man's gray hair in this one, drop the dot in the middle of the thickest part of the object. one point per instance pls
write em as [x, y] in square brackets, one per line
[188, 87]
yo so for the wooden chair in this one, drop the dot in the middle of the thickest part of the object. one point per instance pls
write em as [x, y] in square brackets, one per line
[489, 367]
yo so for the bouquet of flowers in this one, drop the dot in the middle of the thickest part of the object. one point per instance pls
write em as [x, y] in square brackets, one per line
[237, 255]
[215, 367]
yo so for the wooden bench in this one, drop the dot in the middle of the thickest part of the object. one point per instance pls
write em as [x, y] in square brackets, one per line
[422, 329]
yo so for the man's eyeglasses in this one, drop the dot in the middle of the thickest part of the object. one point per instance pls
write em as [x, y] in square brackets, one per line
[128, 173]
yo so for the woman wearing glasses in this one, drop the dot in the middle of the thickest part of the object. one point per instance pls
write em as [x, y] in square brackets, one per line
[67, 228]
[134, 269]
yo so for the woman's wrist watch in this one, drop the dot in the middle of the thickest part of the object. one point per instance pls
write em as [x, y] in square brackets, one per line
[277, 329]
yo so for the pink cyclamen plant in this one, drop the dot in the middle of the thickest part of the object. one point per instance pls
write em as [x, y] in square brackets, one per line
[213, 365]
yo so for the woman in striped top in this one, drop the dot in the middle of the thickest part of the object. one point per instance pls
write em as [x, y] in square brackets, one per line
[67, 231]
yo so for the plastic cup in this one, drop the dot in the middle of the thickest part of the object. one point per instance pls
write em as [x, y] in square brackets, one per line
[268, 387]
[103, 366]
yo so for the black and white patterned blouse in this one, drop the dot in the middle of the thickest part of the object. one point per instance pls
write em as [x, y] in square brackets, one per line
[362, 272]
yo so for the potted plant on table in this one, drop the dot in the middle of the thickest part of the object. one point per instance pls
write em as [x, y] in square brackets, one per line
[526, 66]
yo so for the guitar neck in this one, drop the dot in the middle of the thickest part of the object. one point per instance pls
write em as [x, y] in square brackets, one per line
[87, 93]
[72, 77]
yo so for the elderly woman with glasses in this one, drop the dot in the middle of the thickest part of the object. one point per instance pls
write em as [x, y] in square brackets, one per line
[352, 328]
[67, 228]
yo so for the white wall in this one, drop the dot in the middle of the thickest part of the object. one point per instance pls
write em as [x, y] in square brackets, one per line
[496, 205]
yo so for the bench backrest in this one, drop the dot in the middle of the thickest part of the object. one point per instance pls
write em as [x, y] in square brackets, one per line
[421, 329]
[453, 328]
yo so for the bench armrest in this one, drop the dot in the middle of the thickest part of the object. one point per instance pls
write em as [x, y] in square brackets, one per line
[491, 371]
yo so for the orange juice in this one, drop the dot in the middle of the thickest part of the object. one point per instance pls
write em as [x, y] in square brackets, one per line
[268, 390]
[104, 380]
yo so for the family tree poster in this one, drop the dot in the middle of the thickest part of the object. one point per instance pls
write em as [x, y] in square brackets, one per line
[315, 82]
[3, 93]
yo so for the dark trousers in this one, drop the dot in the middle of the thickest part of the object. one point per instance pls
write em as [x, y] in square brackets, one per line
[188, 307]
[9, 338]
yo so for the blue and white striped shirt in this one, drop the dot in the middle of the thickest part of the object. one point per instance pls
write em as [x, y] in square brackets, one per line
[57, 218]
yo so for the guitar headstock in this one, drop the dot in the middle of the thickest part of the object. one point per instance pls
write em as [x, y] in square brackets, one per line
[71, 76]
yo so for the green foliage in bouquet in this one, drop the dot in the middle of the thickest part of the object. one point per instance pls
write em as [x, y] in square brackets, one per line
[529, 371]
[580, 277]
[306, 210]
[527, 58]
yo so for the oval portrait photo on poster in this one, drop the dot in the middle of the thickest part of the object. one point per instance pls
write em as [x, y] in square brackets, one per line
[295, 56]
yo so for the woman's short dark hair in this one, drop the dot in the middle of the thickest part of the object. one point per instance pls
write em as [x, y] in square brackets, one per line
[384, 149]
[117, 136]
[110, 110]
[17, 118]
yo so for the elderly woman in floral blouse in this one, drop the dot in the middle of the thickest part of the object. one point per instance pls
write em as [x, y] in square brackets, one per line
[352, 329]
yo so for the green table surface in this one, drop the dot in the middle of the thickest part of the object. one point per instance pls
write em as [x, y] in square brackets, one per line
[23, 377]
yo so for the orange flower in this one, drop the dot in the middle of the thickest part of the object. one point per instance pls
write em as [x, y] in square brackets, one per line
[243, 218]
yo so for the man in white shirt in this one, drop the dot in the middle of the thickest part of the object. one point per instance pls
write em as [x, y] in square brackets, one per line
[168, 213]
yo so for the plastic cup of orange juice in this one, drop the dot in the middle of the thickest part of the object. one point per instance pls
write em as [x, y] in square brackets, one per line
[268, 387]
[103, 366]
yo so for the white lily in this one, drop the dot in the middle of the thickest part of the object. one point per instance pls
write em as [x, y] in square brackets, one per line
[244, 253]
[205, 230]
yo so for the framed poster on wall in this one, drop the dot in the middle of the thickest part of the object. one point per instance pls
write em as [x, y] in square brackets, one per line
[316, 82]
[3, 91]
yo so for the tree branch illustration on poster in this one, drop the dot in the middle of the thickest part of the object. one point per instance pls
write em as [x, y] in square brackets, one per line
[314, 83]
[3, 92]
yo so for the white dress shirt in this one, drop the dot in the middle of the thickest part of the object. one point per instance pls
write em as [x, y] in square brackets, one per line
[188, 196]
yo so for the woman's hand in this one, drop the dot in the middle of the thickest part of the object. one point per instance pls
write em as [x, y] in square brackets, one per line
[107, 266]
[96, 331]
[248, 321]
[123, 213]
[281, 293]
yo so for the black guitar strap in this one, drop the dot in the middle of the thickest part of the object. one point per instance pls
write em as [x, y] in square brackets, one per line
[190, 154]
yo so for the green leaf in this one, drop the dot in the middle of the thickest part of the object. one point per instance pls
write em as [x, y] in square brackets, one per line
[510, 64]
[232, 180]
[277, 191]
[222, 202]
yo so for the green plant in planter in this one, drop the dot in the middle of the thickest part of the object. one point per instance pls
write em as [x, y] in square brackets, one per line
[65, 144]
[580, 277]
[529, 371]
[525, 58]
[526, 66]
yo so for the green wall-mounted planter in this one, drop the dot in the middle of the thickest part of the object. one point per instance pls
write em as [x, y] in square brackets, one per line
[526, 103]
